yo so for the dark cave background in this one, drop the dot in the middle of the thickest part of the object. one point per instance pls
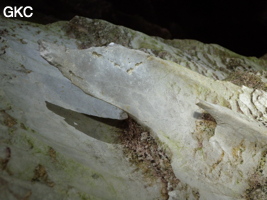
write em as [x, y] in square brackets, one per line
[238, 26]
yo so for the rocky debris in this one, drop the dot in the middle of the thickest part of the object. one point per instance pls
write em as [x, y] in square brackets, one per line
[141, 149]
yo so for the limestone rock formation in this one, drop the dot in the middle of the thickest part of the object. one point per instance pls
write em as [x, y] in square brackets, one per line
[202, 108]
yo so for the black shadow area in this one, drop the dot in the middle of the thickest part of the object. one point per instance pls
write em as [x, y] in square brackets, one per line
[103, 129]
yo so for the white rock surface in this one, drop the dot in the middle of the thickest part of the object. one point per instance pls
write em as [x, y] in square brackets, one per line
[210, 60]
[46, 151]
[49, 149]
[162, 96]
[20, 55]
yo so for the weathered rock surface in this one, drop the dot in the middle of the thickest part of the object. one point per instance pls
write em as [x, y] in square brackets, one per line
[162, 95]
[19, 41]
[210, 60]
[214, 131]
[47, 150]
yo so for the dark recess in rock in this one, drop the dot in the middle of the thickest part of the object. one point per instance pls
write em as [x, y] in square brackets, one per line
[237, 25]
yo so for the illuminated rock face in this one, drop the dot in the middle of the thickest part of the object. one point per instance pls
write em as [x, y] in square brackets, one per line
[162, 96]
[213, 131]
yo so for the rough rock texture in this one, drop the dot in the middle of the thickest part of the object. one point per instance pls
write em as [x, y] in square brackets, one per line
[211, 131]
[162, 95]
[208, 59]
[48, 148]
